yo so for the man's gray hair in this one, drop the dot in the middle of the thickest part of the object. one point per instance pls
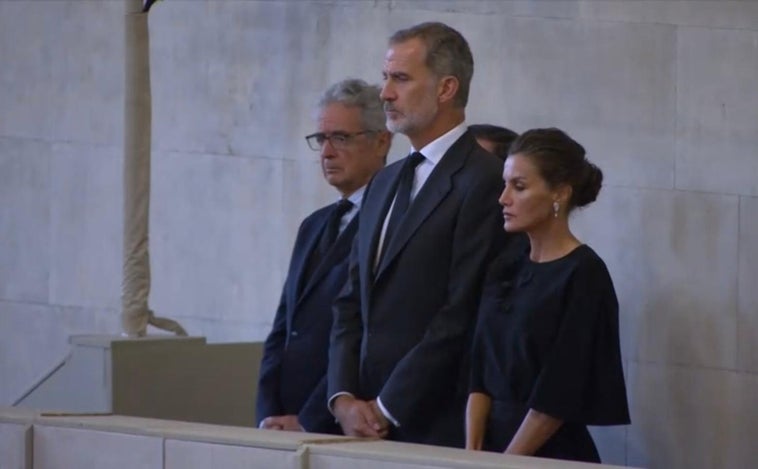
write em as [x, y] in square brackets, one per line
[354, 92]
[447, 54]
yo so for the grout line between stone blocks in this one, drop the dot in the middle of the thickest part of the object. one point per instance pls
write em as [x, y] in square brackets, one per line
[302, 455]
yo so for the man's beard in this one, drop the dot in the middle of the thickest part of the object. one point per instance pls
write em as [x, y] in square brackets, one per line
[410, 123]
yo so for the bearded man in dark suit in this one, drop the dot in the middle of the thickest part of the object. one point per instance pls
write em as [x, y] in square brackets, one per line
[429, 226]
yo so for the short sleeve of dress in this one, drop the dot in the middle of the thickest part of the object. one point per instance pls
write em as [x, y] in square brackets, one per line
[582, 379]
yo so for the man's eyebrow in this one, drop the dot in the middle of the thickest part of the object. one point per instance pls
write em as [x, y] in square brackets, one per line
[396, 74]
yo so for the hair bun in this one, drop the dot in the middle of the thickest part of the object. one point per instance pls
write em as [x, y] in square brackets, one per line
[589, 186]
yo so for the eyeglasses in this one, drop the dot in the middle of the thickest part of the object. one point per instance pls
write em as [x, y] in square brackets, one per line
[339, 140]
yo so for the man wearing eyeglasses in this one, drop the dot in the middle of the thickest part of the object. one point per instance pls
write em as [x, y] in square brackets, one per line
[429, 225]
[353, 142]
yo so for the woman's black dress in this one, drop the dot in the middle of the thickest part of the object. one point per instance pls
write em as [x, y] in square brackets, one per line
[548, 339]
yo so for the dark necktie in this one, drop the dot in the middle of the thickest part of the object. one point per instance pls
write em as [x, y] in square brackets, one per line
[402, 196]
[328, 237]
[332, 229]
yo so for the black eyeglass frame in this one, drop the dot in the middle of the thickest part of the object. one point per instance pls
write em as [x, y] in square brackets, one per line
[343, 139]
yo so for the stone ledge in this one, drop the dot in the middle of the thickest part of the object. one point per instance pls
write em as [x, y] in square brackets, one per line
[321, 450]
[433, 456]
[106, 340]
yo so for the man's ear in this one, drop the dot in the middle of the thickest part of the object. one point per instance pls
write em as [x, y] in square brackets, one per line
[447, 88]
[383, 143]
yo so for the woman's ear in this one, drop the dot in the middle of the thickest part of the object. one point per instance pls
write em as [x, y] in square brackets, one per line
[562, 194]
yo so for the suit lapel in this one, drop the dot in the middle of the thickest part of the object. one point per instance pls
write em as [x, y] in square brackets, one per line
[339, 250]
[300, 259]
[437, 186]
[373, 211]
[300, 265]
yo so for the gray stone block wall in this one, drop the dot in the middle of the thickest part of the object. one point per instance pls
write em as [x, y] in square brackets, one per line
[662, 93]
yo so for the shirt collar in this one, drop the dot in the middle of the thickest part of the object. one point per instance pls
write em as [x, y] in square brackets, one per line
[357, 197]
[436, 149]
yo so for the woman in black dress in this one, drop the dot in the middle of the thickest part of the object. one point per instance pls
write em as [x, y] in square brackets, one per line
[546, 361]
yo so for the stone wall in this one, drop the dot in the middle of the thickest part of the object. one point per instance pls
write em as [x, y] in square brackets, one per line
[662, 93]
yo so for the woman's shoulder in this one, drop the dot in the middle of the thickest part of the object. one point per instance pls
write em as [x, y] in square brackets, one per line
[588, 258]
[582, 265]
[590, 271]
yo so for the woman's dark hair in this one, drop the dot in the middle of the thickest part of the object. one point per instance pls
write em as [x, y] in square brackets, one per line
[501, 137]
[561, 160]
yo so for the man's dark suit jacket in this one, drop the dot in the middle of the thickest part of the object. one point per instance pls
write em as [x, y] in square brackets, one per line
[293, 369]
[403, 332]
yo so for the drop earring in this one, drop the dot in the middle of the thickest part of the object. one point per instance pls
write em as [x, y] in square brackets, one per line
[556, 208]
